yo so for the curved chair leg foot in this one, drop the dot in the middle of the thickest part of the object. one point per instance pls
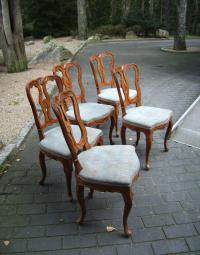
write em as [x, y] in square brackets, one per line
[43, 167]
[167, 135]
[90, 194]
[138, 139]
[127, 196]
[81, 200]
[149, 140]
[68, 174]
[112, 125]
[123, 134]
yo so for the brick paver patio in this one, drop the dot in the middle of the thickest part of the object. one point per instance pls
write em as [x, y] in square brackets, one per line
[165, 218]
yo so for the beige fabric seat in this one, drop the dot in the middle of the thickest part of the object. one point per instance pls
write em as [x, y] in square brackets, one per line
[147, 117]
[91, 112]
[111, 94]
[54, 141]
[109, 165]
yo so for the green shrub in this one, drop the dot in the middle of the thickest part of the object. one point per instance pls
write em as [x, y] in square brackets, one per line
[118, 30]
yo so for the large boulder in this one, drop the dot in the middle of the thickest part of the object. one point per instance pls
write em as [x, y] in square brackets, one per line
[47, 39]
[161, 33]
[94, 38]
[51, 53]
[130, 35]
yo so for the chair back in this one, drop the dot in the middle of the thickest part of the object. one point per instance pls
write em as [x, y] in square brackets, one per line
[44, 100]
[98, 66]
[123, 77]
[64, 71]
[59, 108]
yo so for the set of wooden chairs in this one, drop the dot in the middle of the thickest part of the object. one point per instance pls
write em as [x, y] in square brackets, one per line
[78, 143]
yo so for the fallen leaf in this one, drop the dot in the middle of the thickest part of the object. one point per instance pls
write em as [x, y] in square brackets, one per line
[198, 217]
[61, 220]
[130, 139]
[6, 242]
[110, 228]
[18, 159]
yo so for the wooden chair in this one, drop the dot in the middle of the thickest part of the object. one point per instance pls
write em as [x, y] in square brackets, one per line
[106, 89]
[92, 114]
[141, 118]
[103, 168]
[52, 143]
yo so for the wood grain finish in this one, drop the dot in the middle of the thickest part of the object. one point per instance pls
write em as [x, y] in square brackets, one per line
[76, 148]
[122, 81]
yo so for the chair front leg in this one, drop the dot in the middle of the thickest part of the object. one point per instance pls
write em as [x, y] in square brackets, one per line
[149, 140]
[112, 124]
[167, 135]
[90, 194]
[68, 168]
[123, 134]
[127, 196]
[43, 167]
[81, 200]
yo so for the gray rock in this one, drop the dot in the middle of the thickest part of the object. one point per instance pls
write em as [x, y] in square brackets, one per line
[131, 35]
[94, 38]
[105, 37]
[161, 33]
[47, 39]
[51, 53]
[29, 43]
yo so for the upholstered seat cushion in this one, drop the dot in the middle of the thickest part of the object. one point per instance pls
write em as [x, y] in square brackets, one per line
[55, 143]
[91, 111]
[147, 117]
[111, 94]
[109, 165]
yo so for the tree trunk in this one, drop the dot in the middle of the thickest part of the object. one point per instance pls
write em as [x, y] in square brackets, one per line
[11, 35]
[151, 7]
[179, 38]
[82, 19]
[113, 13]
[196, 15]
[166, 14]
[126, 7]
[143, 7]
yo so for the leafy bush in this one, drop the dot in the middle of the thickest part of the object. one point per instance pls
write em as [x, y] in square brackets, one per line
[118, 30]
[137, 29]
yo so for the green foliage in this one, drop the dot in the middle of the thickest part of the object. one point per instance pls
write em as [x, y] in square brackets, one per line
[118, 30]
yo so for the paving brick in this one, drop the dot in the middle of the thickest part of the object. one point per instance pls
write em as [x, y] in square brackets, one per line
[14, 221]
[170, 207]
[176, 196]
[158, 220]
[169, 246]
[186, 217]
[112, 238]
[15, 245]
[61, 207]
[5, 233]
[197, 225]
[182, 230]
[48, 198]
[194, 243]
[142, 210]
[19, 199]
[99, 251]
[191, 205]
[44, 243]
[30, 231]
[61, 229]
[13, 189]
[31, 209]
[75, 241]
[140, 249]
[133, 222]
[7, 209]
[104, 214]
[90, 227]
[147, 234]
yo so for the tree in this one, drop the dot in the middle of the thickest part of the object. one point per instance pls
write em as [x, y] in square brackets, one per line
[126, 8]
[113, 7]
[151, 7]
[179, 38]
[82, 19]
[11, 36]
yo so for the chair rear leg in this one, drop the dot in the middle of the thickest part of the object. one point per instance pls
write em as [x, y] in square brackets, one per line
[90, 194]
[112, 124]
[68, 168]
[167, 135]
[123, 134]
[116, 119]
[138, 138]
[81, 200]
[127, 196]
[43, 167]
[149, 140]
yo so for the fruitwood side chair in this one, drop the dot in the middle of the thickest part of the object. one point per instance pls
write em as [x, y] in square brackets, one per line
[141, 118]
[112, 168]
[92, 113]
[106, 89]
[52, 143]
